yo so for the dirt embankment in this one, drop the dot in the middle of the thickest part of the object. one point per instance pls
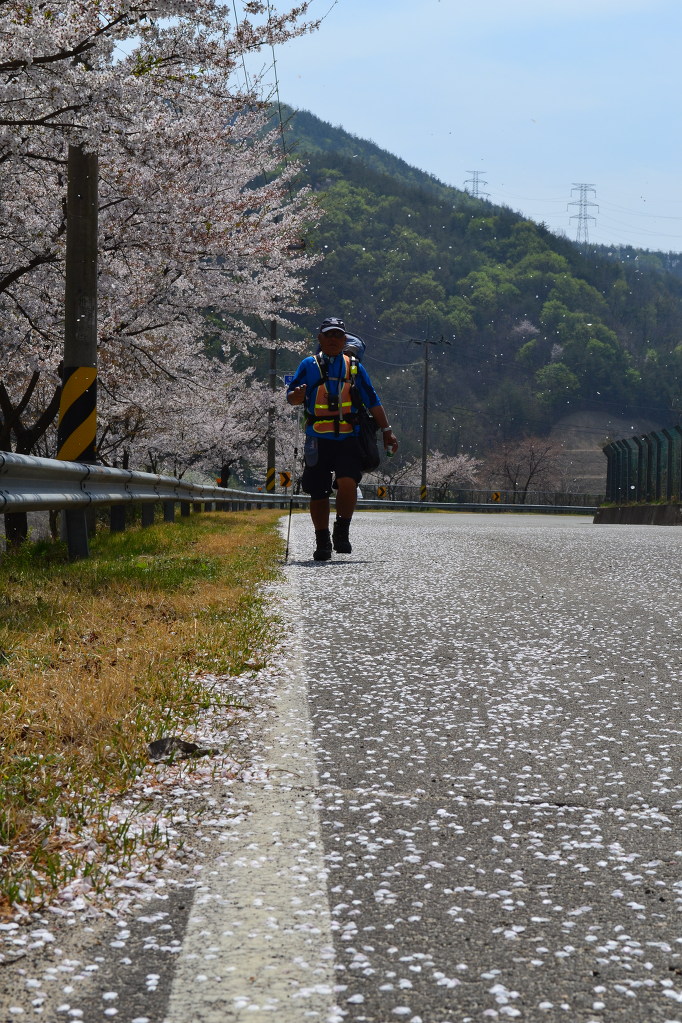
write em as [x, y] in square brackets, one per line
[582, 435]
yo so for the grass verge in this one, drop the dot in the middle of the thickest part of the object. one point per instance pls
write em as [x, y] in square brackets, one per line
[99, 657]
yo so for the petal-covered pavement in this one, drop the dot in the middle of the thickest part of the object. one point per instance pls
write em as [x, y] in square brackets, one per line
[462, 802]
[496, 708]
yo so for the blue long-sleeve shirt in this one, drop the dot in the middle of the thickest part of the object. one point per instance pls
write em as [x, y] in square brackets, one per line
[308, 373]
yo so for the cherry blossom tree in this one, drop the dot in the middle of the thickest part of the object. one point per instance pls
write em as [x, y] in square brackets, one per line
[444, 473]
[196, 212]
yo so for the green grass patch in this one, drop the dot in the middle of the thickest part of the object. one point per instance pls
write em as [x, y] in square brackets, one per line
[98, 657]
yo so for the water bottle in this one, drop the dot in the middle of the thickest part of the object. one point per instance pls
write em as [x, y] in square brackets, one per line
[310, 451]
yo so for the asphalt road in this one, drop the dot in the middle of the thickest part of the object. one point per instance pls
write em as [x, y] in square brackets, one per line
[496, 707]
[467, 795]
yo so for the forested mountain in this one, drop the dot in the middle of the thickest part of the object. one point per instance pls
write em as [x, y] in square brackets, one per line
[526, 327]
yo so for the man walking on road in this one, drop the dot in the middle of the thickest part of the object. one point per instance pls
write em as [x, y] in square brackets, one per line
[325, 384]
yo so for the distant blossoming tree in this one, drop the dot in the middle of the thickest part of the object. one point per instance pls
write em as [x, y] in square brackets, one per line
[534, 463]
[444, 474]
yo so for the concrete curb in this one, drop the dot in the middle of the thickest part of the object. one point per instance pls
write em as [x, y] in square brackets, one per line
[640, 515]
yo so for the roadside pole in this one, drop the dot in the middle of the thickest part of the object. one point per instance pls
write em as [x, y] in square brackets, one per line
[77, 427]
[425, 406]
[270, 472]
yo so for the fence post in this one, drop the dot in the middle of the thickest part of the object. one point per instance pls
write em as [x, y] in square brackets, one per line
[639, 452]
[670, 472]
[677, 462]
[609, 451]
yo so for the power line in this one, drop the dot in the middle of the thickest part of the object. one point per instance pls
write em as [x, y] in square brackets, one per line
[236, 23]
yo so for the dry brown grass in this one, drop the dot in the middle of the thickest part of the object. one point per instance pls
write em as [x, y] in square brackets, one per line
[96, 659]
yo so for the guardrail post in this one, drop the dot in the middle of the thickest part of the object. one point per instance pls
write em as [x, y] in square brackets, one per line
[16, 529]
[148, 513]
[169, 511]
[75, 533]
[184, 508]
[117, 518]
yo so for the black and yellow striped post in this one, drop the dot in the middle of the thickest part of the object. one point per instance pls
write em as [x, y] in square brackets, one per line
[422, 493]
[78, 414]
[270, 479]
[77, 429]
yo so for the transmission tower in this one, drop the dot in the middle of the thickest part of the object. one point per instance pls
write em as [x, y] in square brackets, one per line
[476, 182]
[582, 216]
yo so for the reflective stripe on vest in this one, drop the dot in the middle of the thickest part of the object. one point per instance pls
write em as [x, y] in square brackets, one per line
[332, 421]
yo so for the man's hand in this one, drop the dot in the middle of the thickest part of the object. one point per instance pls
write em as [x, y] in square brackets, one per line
[390, 441]
[297, 396]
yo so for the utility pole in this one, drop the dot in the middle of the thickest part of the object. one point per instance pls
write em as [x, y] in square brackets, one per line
[270, 472]
[582, 216]
[475, 182]
[77, 428]
[425, 404]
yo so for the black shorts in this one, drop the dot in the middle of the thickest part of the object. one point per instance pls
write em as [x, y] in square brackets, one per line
[337, 459]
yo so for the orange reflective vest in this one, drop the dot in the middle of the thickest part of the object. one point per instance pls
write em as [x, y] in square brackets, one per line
[330, 412]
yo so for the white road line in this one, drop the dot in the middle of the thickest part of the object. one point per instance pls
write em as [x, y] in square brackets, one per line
[258, 943]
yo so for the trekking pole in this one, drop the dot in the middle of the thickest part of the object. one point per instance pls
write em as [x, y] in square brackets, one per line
[291, 505]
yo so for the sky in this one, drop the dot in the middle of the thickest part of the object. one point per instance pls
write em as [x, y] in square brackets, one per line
[532, 97]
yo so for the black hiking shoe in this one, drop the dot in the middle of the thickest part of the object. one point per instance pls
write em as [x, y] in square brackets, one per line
[323, 545]
[340, 536]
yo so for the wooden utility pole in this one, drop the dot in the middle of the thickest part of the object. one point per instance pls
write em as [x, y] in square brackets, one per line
[77, 427]
[425, 405]
[270, 473]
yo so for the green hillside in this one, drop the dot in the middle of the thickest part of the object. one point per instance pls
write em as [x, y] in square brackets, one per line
[532, 328]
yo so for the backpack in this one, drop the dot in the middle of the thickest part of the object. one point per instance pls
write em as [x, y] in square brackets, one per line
[367, 435]
[355, 346]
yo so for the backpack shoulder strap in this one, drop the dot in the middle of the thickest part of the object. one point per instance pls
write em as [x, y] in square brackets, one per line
[322, 366]
[355, 393]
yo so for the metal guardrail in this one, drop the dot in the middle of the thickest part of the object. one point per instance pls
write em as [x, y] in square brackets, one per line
[29, 483]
